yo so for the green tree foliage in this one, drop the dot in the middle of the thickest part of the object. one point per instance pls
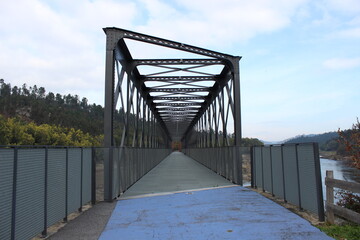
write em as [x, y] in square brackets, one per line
[327, 141]
[16, 132]
[248, 142]
[33, 105]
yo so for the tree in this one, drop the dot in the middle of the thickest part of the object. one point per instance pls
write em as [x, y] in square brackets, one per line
[351, 141]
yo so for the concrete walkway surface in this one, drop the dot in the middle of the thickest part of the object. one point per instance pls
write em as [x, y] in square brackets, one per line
[182, 199]
[177, 172]
[89, 225]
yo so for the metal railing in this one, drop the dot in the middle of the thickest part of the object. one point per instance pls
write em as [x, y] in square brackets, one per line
[124, 166]
[40, 186]
[291, 172]
[225, 161]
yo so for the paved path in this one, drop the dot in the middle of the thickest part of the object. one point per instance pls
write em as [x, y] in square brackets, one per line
[89, 225]
[222, 213]
[181, 199]
[148, 210]
[177, 172]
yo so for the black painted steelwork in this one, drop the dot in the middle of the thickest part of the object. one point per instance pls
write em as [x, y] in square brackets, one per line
[175, 100]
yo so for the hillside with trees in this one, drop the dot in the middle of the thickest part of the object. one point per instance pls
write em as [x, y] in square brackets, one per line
[29, 115]
[327, 141]
[32, 116]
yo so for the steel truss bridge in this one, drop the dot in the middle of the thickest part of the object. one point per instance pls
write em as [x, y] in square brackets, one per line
[195, 101]
[189, 102]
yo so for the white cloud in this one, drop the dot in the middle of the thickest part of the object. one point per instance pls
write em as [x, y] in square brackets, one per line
[58, 46]
[348, 33]
[212, 22]
[52, 42]
[342, 63]
[345, 6]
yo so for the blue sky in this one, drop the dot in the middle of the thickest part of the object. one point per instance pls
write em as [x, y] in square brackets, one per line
[300, 71]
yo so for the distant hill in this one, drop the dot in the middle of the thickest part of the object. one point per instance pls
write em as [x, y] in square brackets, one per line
[319, 138]
[327, 141]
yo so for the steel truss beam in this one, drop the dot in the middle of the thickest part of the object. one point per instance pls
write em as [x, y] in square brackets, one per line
[179, 90]
[180, 78]
[178, 98]
[203, 119]
[157, 62]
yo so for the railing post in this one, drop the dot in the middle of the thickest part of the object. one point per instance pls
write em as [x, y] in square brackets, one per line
[271, 172]
[66, 184]
[283, 172]
[298, 176]
[252, 166]
[108, 174]
[262, 170]
[237, 175]
[329, 198]
[44, 233]
[13, 210]
[93, 176]
[320, 198]
[81, 177]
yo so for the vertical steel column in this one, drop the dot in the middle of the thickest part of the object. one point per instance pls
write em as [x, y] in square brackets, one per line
[237, 103]
[109, 99]
[216, 144]
[223, 117]
[142, 144]
[109, 113]
[237, 119]
[209, 120]
[148, 128]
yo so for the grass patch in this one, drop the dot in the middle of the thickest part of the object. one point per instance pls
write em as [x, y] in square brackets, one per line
[343, 232]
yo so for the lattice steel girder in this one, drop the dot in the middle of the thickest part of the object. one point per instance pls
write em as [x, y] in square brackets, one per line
[115, 34]
[178, 104]
[157, 62]
[180, 78]
[179, 90]
[177, 119]
[179, 98]
[178, 109]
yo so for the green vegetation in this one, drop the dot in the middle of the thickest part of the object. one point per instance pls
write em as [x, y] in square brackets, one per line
[32, 104]
[341, 143]
[327, 141]
[248, 142]
[348, 200]
[55, 114]
[341, 232]
[16, 132]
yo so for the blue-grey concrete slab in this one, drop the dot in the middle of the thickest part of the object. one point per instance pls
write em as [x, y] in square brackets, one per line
[221, 213]
[177, 172]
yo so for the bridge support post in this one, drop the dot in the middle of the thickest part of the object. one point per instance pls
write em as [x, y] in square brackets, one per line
[237, 121]
[108, 117]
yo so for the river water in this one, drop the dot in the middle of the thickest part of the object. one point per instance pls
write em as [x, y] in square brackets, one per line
[341, 169]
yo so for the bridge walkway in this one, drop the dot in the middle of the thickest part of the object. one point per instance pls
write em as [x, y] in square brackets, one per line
[181, 199]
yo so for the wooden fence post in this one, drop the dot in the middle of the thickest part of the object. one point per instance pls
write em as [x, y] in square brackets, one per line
[329, 198]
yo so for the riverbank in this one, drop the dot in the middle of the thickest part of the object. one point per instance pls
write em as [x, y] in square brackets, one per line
[333, 156]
